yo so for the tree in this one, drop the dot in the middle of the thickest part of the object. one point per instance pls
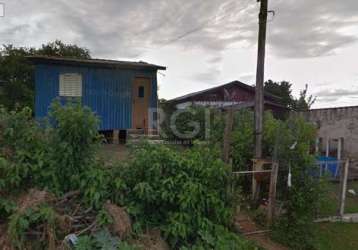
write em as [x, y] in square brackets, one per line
[17, 75]
[304, 102]
[283, 90]
[280, 89]
[58, 48]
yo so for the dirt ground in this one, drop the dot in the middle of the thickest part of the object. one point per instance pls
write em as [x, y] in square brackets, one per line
[112, 153]
[263, 240]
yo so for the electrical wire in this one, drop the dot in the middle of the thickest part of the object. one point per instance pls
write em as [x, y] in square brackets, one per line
[203, 26]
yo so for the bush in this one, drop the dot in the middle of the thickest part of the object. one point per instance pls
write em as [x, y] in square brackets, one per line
[242, 139]
[59, 155]
[192, 123]
[73, 141]
[19, 223]
[220, 238]
[187, 194]
[22, 150]
[95, 185]
[102, 240]
[295, 227]
[182, 193]
[303, 199]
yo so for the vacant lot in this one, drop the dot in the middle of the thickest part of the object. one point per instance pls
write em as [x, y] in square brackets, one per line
[338, 236]
[331, 205]
[112, 153]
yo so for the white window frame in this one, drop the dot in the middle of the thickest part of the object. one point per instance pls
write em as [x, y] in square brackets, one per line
[70, 85]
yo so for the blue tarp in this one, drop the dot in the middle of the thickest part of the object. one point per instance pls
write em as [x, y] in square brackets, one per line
[328, 166]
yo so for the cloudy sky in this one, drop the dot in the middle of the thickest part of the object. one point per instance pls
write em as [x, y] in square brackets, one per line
[205, 43]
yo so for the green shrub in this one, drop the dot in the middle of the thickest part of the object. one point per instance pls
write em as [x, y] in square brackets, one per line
[182, 193]
[102, 240]
[85, 242]
[19, 223]
[242, 139]
[22, 150]
[95, 185]
[301, 201]
[192, 123]
[73, 142]
[7, 207]
[59, 156]
[220, 238]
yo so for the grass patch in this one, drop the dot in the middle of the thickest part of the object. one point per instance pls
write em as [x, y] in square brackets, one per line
[337, 236]
[331, 205]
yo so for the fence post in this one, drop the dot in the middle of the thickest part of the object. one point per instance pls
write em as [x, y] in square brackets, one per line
[272, 193]
[255, 189]
[344, 180]
[339, 148]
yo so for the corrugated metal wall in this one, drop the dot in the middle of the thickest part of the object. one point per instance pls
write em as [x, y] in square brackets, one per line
[108, 92]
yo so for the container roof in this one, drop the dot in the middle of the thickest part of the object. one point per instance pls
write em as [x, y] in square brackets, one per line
[94, 62]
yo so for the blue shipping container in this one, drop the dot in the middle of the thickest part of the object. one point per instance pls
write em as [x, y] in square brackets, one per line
[107, 87]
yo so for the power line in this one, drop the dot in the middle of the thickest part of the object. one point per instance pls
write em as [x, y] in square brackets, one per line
[187, 33]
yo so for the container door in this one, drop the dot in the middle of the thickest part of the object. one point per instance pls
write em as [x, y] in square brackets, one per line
[141, 98]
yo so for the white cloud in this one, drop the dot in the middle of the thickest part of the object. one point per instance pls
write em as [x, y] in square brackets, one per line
[206, 30]
[127, 28]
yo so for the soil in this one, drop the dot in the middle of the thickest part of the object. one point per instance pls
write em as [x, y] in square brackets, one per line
[152, 240]
[5, 242]
[246, 225]
[112, 153]
[33, 199]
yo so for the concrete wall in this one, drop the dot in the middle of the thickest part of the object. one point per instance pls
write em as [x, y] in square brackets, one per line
[335, 123]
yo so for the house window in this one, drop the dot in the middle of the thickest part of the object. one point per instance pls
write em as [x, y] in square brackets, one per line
[141, 91]
[71, 85]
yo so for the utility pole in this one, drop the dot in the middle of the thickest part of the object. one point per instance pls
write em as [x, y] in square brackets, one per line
[260, 74]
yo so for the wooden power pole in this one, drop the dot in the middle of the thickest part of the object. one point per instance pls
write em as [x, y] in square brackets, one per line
[260, 73]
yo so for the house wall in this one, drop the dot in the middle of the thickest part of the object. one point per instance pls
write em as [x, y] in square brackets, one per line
[108, 92]
[337, 123]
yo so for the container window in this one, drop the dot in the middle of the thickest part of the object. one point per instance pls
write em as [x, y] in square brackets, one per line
[141, 91]
[70, 85]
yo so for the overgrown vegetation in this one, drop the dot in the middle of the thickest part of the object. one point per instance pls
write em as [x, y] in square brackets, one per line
[301, 201]
[186, 195]
[190, 124]
[19, 223]
[288, 142]
[22, 150]
[73, 140]
[59, 157]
